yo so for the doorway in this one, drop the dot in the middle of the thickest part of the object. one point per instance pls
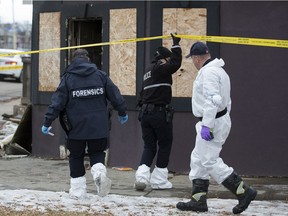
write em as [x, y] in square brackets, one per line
[86, 31]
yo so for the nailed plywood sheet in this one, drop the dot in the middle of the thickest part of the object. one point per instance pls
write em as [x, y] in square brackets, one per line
[190, 21]
[49, 62]
[122, 61]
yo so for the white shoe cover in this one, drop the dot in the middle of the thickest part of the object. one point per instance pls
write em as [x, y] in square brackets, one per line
[159, 179]
[102, 182]
[143, 174]
[78, 188]
[142, 177]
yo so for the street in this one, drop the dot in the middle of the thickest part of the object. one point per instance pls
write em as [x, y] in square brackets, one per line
[10, 95]
[9, 89]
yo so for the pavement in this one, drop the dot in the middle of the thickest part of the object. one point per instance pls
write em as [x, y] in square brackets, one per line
[53, 175]
[7, 105]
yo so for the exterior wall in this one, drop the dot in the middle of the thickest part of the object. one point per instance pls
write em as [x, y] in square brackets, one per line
[46, 75]
[258, 74]
[258, 141]
[164, 19]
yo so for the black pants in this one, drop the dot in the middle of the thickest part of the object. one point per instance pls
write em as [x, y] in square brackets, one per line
[95, 150]
[156, 132]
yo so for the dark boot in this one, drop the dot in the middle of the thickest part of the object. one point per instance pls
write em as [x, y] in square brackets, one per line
[198, 202]
[243, 192]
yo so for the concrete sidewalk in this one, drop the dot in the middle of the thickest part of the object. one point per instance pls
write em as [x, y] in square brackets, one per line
[53, 175]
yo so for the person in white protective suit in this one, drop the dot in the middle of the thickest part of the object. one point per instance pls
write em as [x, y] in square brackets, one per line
[211, 104]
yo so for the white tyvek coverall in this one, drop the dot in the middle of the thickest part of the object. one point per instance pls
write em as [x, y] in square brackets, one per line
[211, 94]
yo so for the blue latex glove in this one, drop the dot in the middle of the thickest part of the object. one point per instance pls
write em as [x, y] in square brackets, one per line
[206, 133]
[45, 130]
[123, 119]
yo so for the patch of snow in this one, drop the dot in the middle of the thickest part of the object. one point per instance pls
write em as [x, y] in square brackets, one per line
[128, 205]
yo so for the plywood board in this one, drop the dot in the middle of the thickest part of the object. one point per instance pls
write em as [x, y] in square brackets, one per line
[122, 60]
[190, 21]
[49, 62]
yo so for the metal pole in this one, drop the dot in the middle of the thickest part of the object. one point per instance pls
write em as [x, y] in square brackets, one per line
[14, 28]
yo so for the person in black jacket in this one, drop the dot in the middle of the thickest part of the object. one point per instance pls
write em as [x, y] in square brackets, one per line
[156, 115]
[82, 96]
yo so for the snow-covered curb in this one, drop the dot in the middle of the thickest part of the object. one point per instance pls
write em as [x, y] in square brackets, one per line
[126, 205]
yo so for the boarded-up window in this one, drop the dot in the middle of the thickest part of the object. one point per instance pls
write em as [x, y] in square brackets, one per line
[190, 21]
[49, 62]
[122, 61]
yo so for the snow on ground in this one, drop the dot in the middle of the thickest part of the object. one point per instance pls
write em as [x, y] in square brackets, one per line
[7, 129]
[127, 205]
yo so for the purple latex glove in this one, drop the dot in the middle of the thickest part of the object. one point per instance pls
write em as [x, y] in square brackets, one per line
[206, 133]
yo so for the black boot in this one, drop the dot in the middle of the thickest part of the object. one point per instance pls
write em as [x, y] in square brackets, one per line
[243, 192]
[198, 202]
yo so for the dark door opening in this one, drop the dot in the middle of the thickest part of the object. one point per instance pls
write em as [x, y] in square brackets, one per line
[86, 31]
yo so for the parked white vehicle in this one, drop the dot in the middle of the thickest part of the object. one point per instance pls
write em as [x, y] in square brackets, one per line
[12, 65]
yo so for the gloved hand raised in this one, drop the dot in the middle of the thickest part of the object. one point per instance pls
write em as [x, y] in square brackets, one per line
[123, 119]
[176, 40]
[206, 133]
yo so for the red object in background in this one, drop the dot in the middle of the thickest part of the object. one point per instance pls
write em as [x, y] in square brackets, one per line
[11, 63]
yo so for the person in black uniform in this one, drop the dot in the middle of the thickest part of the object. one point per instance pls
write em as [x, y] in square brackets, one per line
[156, 116]
[82, 95]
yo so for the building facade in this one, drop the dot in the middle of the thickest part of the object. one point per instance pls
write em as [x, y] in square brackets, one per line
[257, 142]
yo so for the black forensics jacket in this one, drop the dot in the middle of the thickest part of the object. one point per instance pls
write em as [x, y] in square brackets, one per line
[83, 93]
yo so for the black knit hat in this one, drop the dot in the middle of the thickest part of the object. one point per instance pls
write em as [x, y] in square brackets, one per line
[162, 52]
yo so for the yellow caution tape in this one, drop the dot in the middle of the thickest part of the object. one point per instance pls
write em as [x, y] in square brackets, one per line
[10, 67]
[216, 39]
[240, 40]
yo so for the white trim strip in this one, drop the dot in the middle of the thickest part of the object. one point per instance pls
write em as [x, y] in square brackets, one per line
[157, 85]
